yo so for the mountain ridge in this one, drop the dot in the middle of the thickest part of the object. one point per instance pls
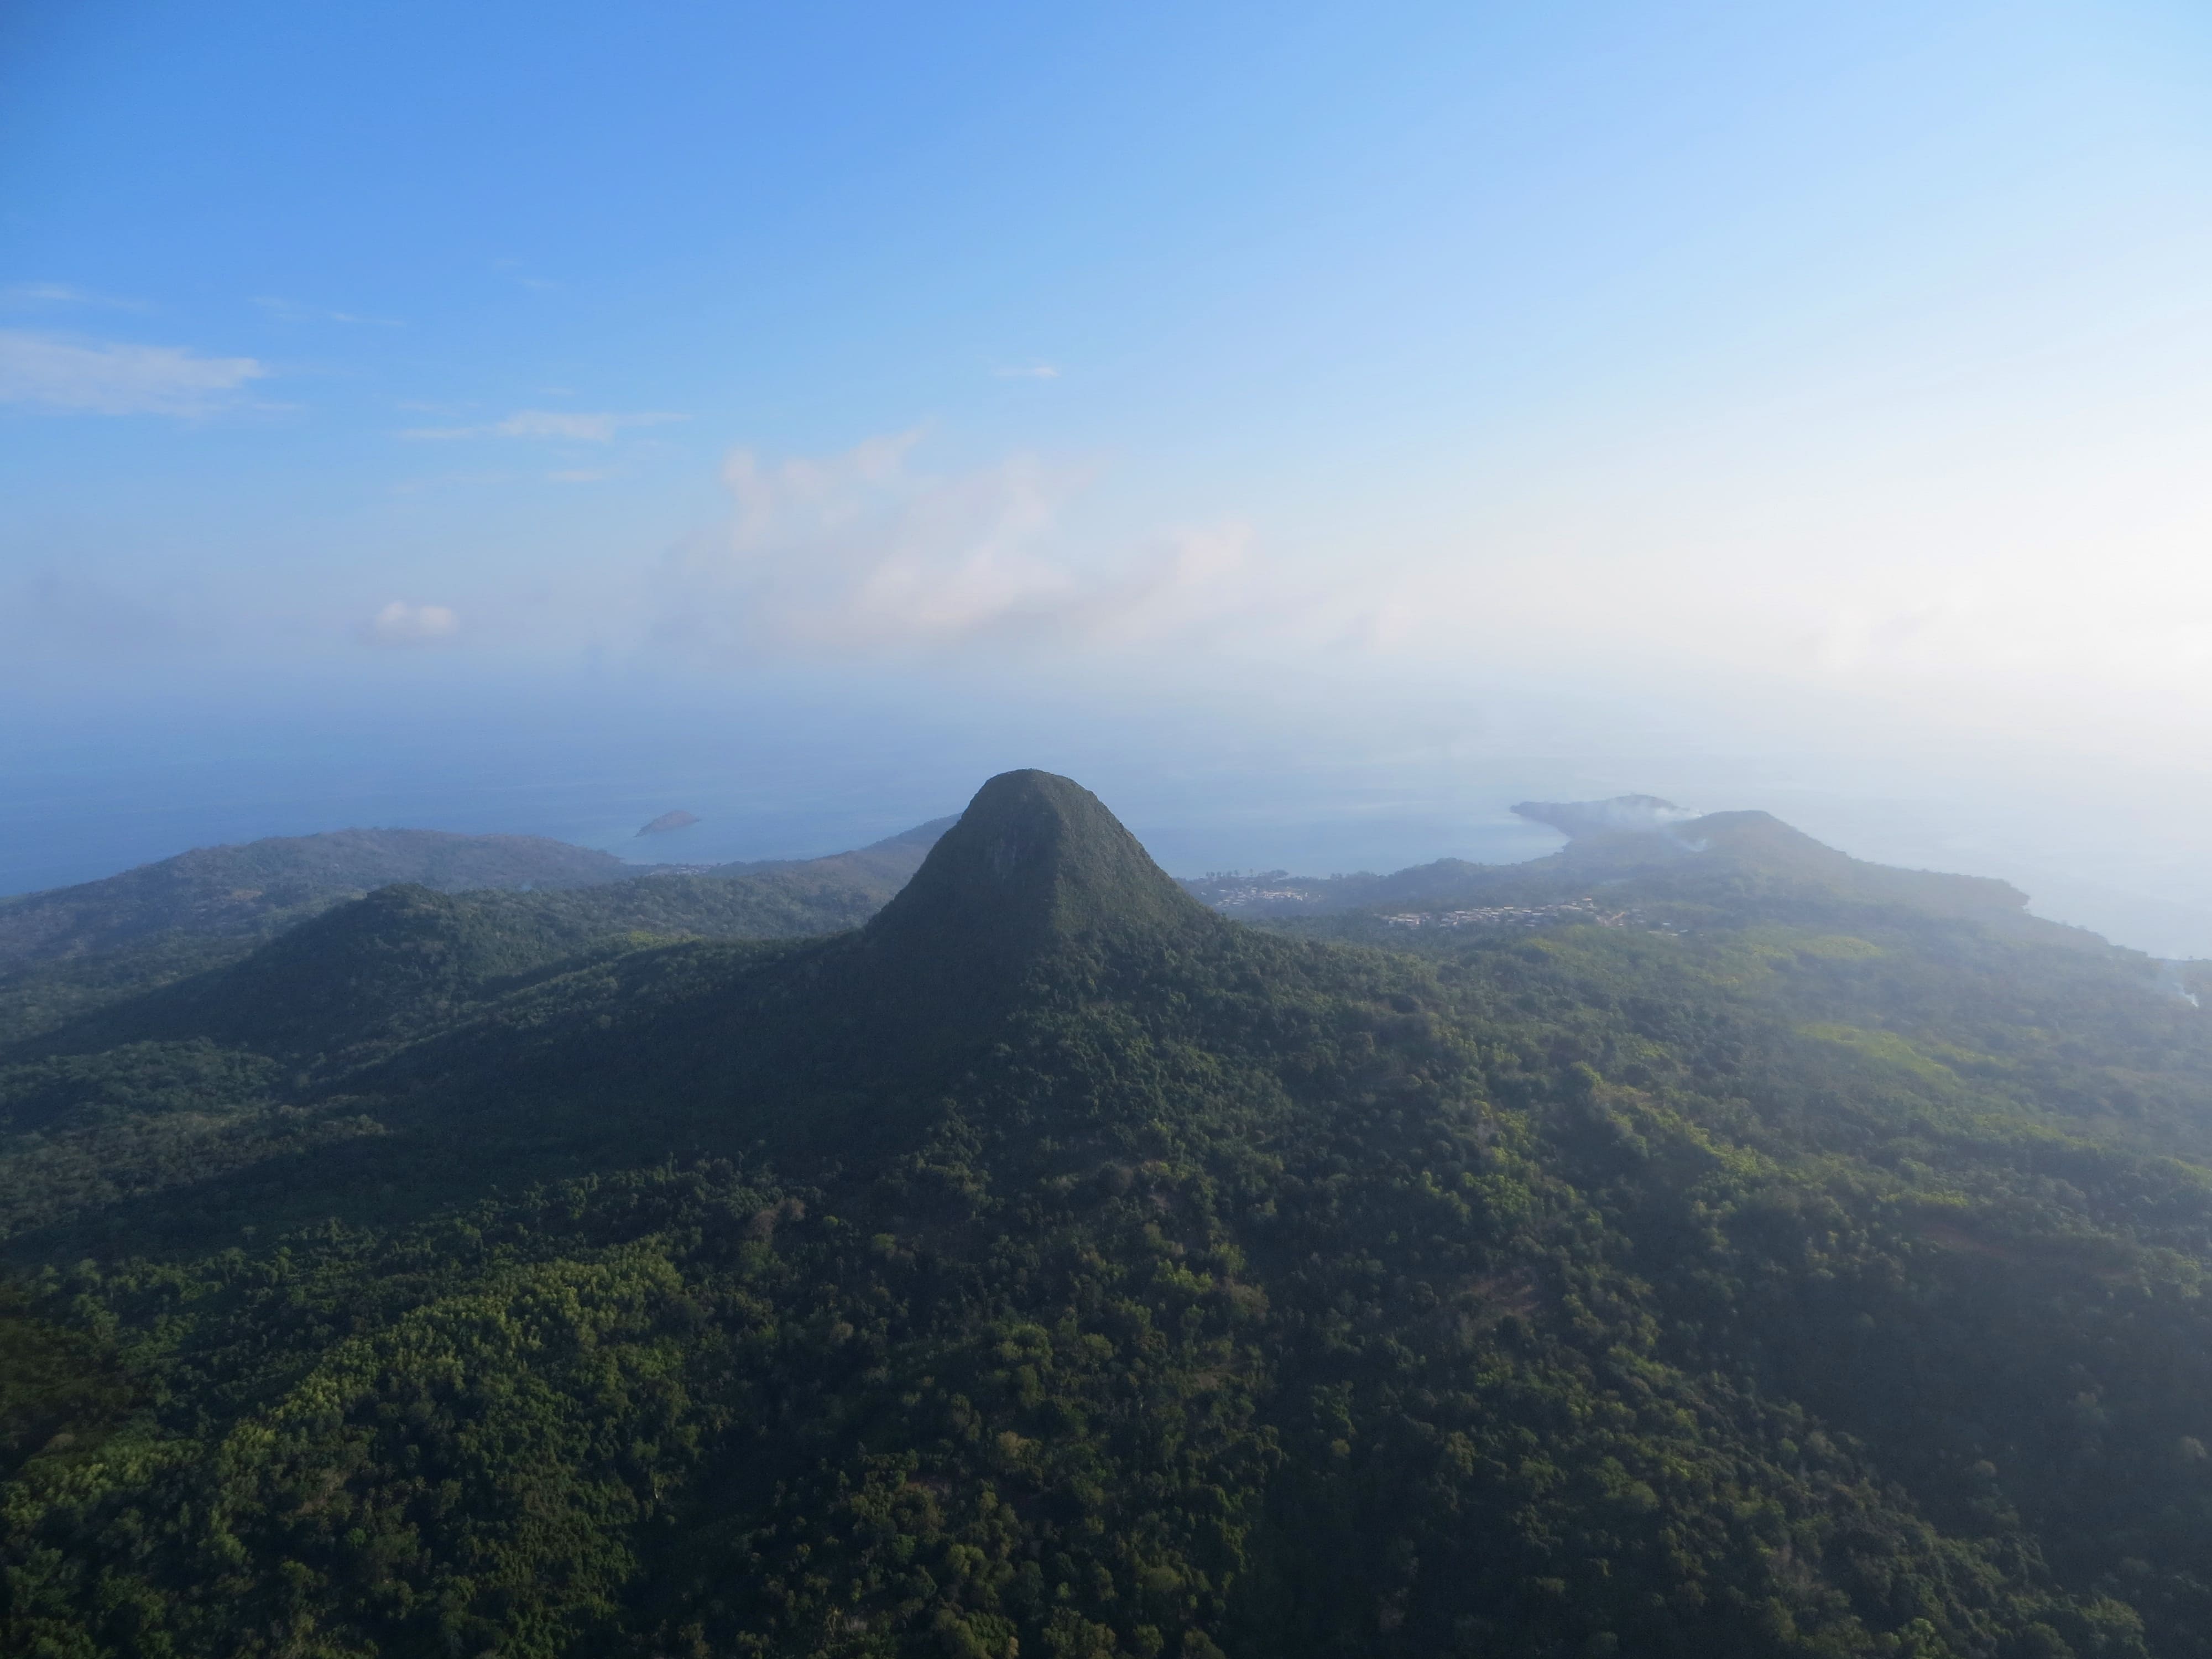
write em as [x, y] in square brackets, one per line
[246, 888]
[256, 888]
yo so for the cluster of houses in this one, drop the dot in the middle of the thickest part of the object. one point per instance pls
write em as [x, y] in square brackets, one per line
[1233, 897]
[1521, 915]
[1585, 911]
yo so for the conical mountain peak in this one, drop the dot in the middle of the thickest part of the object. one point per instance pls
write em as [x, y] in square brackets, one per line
[1036, 862]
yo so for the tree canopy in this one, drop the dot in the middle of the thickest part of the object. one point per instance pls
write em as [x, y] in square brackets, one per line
[1783, 1262]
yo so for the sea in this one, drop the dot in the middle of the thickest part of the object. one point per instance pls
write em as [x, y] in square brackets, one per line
[85, 794]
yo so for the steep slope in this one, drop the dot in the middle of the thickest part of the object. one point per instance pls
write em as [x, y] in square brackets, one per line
[1164, 1287]
[1037, 895]
[1036, 868]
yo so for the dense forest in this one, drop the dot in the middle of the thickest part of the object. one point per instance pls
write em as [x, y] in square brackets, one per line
[212, 895]
[71, 951]
[1698, 1242]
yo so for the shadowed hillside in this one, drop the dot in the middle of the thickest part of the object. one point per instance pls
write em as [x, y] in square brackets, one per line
[253, 890]
[84, 948]
[1035, 867]
[222, 891]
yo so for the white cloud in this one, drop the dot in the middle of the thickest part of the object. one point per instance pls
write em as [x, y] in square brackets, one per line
[400, 624]
[862, 552]
[564, 425]
[1030, 371]
[102, 377]
[65, 293]
[288, 311]
[575, 427]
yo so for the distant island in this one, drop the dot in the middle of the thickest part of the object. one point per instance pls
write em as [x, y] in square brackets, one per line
[679, 819]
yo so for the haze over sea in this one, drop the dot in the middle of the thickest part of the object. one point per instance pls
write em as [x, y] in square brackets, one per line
[1316, 429]
[794, 779]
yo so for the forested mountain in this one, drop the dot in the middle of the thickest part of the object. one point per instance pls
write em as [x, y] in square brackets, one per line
[1758, 1253]
[1726, 857]
[80, 949]
[258, 889]
[253, 889]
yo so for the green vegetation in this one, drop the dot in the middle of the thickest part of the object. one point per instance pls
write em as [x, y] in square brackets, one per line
[253, 890]
[183, 905]
[533, 903]
[1812, 1265]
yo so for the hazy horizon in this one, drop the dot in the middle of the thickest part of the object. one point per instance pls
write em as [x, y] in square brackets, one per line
[1313, 430]
[2123, 865]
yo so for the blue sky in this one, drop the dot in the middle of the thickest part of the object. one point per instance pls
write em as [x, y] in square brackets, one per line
[1315, 424]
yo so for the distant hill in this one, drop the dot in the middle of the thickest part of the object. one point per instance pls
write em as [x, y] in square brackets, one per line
[253, 890]
[257, 889]
[67, 953]
[891, 859]
[1767, 1256]
[1639, 841]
